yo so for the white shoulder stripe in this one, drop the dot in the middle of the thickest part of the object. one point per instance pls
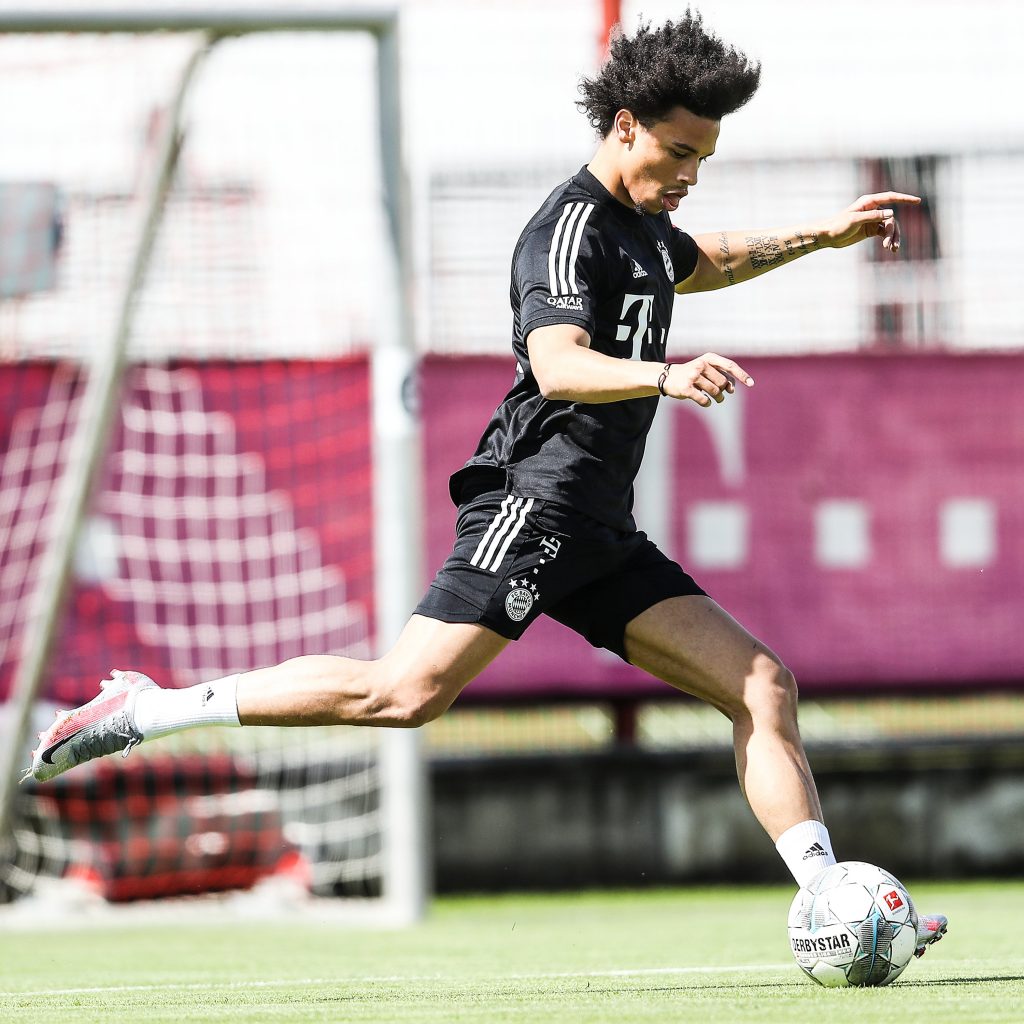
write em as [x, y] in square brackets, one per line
[565, 248]
[577, 239]
[564, 245]
[553, 251]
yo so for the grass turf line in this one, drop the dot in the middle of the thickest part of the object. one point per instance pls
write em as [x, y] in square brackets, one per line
[719, 956]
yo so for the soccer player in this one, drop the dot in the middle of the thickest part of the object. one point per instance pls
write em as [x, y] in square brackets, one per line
[545, 523]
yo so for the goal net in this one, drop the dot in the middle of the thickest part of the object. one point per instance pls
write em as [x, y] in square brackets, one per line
[230, 521]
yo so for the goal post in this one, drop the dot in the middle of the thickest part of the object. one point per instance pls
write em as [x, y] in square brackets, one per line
[394, 427]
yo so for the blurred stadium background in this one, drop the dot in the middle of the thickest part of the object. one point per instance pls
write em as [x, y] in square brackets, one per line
[860, 511]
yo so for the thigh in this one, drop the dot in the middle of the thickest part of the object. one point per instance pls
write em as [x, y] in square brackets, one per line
[696, 646]
[639, 576]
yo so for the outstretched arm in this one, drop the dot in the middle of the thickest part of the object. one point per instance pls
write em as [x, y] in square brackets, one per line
[730, 257]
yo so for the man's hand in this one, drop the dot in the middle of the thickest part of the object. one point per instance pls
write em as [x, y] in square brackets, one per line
[869, 217]
[706, 378]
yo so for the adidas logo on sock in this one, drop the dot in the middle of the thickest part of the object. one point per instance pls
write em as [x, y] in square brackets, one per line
[817, 850]
[207, 697]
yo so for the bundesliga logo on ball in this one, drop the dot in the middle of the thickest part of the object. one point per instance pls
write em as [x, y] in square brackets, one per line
[853, 924]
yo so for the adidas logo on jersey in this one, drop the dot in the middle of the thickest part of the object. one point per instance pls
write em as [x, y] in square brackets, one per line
[638, 271]
[571, 302]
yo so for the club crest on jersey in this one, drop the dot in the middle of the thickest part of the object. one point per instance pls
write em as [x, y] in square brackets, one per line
[667, 260]
[570, 302]
[520, 599]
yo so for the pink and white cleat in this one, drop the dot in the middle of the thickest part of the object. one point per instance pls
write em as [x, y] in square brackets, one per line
[105, 725]
[930, 928]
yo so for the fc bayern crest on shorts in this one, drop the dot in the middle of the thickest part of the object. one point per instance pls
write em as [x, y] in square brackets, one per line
[520, 599]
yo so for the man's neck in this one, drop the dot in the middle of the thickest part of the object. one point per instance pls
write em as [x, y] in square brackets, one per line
[604, 167]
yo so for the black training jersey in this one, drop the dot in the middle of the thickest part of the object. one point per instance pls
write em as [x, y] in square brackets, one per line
[586, 259]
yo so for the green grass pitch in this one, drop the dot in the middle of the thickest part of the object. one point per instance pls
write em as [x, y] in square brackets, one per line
[704, 955]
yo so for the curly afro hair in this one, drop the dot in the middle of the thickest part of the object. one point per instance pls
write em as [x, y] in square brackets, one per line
[679, 64]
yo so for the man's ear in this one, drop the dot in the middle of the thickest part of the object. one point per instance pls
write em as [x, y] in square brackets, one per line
[625, 127]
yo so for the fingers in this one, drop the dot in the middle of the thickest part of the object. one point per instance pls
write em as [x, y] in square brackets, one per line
[882, 223]
[890, 231]
[708, 379]
[727, 366]
[707, 383]
[877, 199]
[872, 216]
[891, 239]
[696, 396]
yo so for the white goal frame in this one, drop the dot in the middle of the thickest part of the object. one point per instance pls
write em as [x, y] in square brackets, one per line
[396, 433]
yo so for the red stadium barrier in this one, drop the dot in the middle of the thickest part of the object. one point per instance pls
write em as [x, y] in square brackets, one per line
[860, 514]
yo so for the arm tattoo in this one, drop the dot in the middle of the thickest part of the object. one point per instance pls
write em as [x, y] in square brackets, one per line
[764, 251]
[807, 243]
[723, 248]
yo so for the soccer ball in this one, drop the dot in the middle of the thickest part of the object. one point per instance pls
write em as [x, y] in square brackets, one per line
[853, 924]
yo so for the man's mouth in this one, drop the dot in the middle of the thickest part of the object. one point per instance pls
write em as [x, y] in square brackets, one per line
[670, 200]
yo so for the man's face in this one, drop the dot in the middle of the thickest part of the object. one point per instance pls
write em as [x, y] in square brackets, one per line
[661, 164]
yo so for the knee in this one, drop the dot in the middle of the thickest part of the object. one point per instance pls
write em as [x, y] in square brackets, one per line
[412, 700]
[415, 709]
[771, 692]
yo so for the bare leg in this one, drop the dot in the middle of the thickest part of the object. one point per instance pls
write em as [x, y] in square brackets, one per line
[413, 683]
[693, 644]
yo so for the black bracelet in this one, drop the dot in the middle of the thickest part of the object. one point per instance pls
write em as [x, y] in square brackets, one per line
[662, 379]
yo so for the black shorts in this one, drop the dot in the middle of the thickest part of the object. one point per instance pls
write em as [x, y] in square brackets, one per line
[516, 558]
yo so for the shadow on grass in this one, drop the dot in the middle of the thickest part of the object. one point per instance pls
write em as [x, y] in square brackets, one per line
[384, 995]
[776, 986]
[969, 980]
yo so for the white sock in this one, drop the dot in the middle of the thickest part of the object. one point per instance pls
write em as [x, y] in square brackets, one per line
[806, 849]
[159, 712]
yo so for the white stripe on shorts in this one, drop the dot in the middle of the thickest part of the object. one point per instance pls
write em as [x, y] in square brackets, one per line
[495, 523]
[504, 529]
[500, 556]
